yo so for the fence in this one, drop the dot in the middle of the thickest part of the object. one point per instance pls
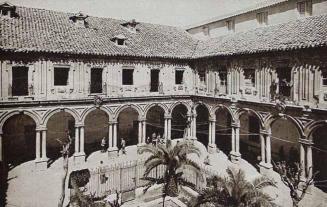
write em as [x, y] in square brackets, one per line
[126, 177]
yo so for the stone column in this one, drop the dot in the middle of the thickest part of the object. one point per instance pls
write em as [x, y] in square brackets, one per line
[115, 136]
[189, 118]
[110, 136]
[194, 124]
[166, 128]
[76, 140]
[209, 133]
[1, 152]
[263, 148]
[139, 132]
[309, 161]
[79, 155]
[212, 134]
[40, 149]
[235, 153]
[169, 128]
[44, 145]
[38, 146]
[265, 164]
[143, 131]
[302, 159]
[82, 142]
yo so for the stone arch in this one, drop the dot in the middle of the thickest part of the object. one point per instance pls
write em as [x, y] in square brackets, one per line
[177, 103]
[242, 111]
[312, 126]
[72, 112]
[271, 118]
[31, 114]
[125, 106]
[90, 110]
[222, 106]
[148, 107]
[204, 104]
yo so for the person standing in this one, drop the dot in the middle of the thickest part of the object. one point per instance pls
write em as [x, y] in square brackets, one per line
[123, 145]
[103, 144]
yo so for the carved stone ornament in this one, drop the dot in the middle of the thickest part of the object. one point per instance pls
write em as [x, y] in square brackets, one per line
[280, 106]
[98, 101]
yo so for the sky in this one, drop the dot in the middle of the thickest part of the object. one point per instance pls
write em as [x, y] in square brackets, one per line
[167, 12]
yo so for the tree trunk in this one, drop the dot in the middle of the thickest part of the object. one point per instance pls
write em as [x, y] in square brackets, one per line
[63, 182]
[163, 201]
[172, 188]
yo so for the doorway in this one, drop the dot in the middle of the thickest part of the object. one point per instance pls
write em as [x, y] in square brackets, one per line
[154, 81]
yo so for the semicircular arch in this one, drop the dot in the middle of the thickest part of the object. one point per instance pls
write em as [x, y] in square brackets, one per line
[272, 118]
[91, 109]
[162, 106]
[242, 111]
[223, 107]
[36, 118]
[172, 107]
[72, 112]
[312, 126]
[126, 106]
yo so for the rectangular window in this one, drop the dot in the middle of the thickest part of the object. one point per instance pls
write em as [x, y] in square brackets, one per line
[324, 77]
[20, 81]
[179, 76]
[61, 76]
[223, 77]
[96, 80]
[304, 8]
[249, 77]
[230, 25]
[128, 76]
[202, 77]
[262, 18]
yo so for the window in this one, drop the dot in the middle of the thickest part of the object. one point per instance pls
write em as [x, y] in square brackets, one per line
[230, 25]
[120, 42]
[20, 81]
[202, 77]
[249, 77]
[223, 77]
[262, 18]
[7, 9]
[324, 77]
[304, 8]
[179, 76]
[61, 76]
[128, 76]
[96, 80]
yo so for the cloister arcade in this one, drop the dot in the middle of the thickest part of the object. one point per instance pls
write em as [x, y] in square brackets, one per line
[259, 138]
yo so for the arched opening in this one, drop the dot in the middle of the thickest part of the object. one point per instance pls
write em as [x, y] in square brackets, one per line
[284, 141]
[202, 124]
[224, 131]
[250, 147]
[319, 156]
[59, 126]
[128, 126]
[18, 140]
[155, 120]
[96, 127]
[179, 121]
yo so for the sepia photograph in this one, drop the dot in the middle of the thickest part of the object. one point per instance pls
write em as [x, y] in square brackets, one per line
[152, 103]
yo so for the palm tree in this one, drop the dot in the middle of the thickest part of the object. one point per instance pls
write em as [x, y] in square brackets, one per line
[235, 191]
[175, 159]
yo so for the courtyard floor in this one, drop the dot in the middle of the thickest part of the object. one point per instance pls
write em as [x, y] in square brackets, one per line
[27, 188]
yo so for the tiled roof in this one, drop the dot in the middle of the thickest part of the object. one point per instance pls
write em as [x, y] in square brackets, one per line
[257, 6]
[303, 33]
[40, 30]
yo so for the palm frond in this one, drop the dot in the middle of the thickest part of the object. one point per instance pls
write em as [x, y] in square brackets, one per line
[262, 182]
[151, 165]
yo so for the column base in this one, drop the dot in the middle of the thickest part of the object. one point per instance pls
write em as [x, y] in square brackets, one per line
[112, 151]
[79, 158]
[265, 168]
[235, 156]
[212, 148]
[41, 164]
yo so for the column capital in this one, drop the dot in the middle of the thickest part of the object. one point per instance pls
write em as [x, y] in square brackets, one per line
[212, 119]
[305, 142]
[235, 125]
[41, 128]
[79, 125]
[167, 116]
[112, 122]
[141, 119]
[265, 132]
